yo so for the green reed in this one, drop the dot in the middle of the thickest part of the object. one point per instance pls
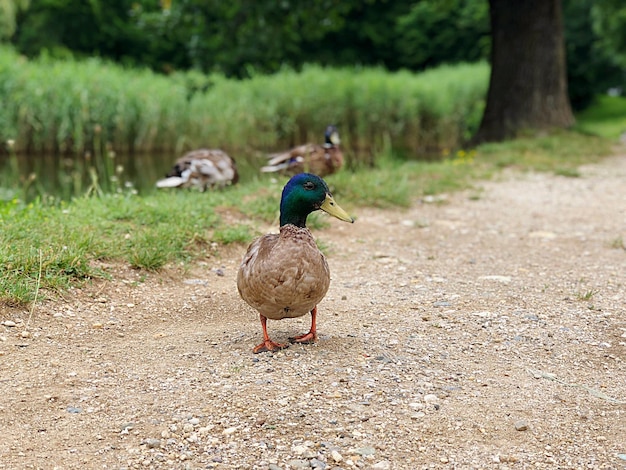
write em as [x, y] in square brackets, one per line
[91, 107]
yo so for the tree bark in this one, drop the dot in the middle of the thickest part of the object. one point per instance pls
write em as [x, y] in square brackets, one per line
[528, 85]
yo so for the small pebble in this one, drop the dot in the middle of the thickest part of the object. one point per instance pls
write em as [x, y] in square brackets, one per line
[153, 443]
[9, 323]
[315, 463]
[521, 425]
[382, 465]
[273, 466]
[299, 463]
[336, 456]
[431, 398]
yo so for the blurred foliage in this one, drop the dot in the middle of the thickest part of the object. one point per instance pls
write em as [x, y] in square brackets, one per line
[241, 38]
[592, 66]
[434, 32]
[8, 16]
[609, 22]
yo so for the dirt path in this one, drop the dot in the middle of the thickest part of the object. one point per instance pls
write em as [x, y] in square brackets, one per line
[484, 331]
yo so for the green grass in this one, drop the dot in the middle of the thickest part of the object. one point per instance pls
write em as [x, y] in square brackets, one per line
[389, 123]
[64, 241]
[606, 117]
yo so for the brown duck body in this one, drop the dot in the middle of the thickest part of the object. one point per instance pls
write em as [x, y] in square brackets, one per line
[321, 160]
[203, 169]
[284, 275]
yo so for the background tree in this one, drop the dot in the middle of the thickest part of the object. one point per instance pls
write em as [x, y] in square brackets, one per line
[9, 10]
[528, 87]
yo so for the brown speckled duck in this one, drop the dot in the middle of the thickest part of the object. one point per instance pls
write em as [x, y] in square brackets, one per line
[203, 169]
[321, 160]
[285, 275]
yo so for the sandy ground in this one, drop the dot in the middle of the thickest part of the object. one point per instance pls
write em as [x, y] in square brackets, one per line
[486, 329]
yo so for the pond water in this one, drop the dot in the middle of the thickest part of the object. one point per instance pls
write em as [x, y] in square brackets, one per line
[31, 176]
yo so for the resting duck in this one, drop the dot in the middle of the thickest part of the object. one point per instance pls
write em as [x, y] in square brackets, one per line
[203, 168]
[322, 160]
[285, 275]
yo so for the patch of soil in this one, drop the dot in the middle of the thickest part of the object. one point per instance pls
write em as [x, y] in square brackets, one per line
[487, 329]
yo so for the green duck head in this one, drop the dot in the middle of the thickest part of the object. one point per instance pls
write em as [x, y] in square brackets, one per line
[305, 193]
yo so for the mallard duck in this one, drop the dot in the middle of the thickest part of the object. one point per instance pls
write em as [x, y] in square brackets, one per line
[321, 160]
[285, 275]
[203, 168]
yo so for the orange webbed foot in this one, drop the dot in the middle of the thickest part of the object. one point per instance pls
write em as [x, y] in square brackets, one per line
[269, 346]
[308, 338]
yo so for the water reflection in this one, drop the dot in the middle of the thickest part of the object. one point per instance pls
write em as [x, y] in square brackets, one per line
[27, 177]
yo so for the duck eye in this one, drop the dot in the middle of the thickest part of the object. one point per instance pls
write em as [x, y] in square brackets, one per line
[309, 185]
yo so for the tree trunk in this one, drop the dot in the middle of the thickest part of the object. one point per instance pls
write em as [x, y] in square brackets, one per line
[528, 86]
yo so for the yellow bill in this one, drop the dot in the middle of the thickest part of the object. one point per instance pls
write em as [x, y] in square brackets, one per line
[331, 207]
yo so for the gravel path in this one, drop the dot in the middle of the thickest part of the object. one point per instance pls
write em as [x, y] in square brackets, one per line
[482, 330]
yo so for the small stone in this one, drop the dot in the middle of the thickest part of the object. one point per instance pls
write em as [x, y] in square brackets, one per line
[25, 334]
[382, 465]
[219, 272]
[229, 431]
[365, 451]
[153, 443]
[621, 456]
[194, 421]
[299, 450]
[9, 323]
[97, 326]
[315, 463]
[74, 410]
[187, 427]
[298, 463]
[205, 429]
[521, 425]
[336, 456]
[273, 466]
[431, 398]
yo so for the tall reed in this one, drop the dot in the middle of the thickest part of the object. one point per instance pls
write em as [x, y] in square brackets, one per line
[82, 107]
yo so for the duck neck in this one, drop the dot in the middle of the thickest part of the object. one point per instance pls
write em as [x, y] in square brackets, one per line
[298, 220]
